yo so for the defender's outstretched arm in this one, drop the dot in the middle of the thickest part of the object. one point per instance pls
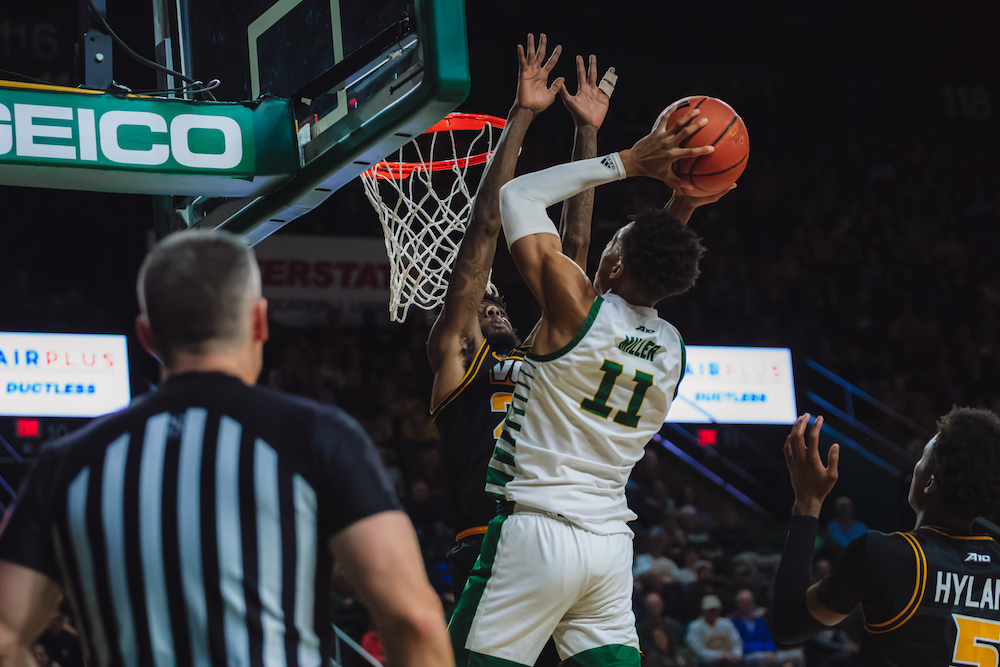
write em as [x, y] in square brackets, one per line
[560, 286]
[588, 108]
[457, 330]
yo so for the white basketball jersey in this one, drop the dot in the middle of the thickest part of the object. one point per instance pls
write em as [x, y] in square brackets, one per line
[580, 417]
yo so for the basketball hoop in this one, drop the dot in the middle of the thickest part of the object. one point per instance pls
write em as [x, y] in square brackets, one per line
[424, 226]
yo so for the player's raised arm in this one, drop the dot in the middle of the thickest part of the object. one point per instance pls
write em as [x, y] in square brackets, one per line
[798, 612]
[588, 108]
[456, 334]
[563, 291]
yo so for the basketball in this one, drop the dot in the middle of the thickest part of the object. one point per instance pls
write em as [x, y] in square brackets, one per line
[713, 173]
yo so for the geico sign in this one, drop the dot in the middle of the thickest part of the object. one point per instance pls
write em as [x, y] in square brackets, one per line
[23, 129]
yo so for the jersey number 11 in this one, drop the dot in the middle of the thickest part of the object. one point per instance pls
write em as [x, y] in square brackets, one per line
[598, 405]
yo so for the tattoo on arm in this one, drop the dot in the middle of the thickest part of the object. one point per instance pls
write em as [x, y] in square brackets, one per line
[471, 270]
[578, 211]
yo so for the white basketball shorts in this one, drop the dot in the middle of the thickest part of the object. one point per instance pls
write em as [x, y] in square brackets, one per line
[540, 576]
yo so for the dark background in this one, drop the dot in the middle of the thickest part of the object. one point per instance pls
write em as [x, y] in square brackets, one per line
[843, 102]
[864, 233]
[804, 76]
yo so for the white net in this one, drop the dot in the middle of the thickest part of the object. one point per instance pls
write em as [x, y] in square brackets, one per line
[424, 214]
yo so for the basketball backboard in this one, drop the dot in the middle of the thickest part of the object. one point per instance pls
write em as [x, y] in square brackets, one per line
[363, 77]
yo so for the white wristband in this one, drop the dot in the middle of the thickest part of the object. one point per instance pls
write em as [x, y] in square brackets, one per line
[523, 201]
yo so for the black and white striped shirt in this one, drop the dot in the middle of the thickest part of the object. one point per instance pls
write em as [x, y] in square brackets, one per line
[192, 528]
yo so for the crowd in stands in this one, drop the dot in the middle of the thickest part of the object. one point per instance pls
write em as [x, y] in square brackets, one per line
[876, 259]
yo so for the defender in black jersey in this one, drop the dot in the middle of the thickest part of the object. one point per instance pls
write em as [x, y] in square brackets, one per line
[472, 348]
[468, 420]
[197, 526]
[931, 596]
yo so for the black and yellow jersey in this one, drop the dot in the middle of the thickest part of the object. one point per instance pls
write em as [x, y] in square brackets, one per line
[930, 597]
[469, 420]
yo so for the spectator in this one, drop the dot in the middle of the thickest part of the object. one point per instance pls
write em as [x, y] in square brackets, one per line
[707, 584]
[701, 520]
[41, 657]
[831, 648]
[758, 646]
[655, 560]
[688, 574]
[654, 618]
[715, 639]
[844, 529]
[664, 652]
[698, 532]
[61, 642]
[676, 539]
[731, 535]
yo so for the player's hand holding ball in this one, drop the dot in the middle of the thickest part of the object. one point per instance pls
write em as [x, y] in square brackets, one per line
[697, 177]
[655, 154]
[534, 94]
[715, 174]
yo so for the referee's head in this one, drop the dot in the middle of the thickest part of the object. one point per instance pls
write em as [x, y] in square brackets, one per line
[201, 307]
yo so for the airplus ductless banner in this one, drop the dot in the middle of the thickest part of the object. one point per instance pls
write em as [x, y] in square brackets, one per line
[736, 385]
[62, 375]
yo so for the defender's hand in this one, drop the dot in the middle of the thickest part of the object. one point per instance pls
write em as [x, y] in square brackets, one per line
[682, 205]
[590, 104]
[811, 480]
[534, 94]
[654, 155]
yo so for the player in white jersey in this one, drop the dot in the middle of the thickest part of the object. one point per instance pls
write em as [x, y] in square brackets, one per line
[596, 386]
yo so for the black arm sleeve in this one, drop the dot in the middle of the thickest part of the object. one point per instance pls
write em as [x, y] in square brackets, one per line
[845, 587]
[791, 621]
[356, 484]
[27, 537]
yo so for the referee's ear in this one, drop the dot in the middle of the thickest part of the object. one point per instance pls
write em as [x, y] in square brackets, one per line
[260, 332]
[145, 336]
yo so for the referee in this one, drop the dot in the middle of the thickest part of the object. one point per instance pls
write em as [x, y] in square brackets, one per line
[199, 525]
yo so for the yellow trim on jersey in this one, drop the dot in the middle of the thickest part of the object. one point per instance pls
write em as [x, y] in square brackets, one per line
[477, 362]
[959, 537]
[478, 530]
[918, 591]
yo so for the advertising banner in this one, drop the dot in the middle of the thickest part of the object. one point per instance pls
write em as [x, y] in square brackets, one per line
[324, 280]
[84, 140]
[736, 385]
[62, 375]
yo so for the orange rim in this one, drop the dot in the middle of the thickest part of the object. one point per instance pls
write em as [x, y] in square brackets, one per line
[453, 121]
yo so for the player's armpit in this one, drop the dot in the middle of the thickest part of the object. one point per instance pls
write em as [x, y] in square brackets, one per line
[381, 556]
[28, 600]
[819, 611]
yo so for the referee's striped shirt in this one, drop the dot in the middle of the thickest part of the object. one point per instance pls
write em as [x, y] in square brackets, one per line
[193, 527]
